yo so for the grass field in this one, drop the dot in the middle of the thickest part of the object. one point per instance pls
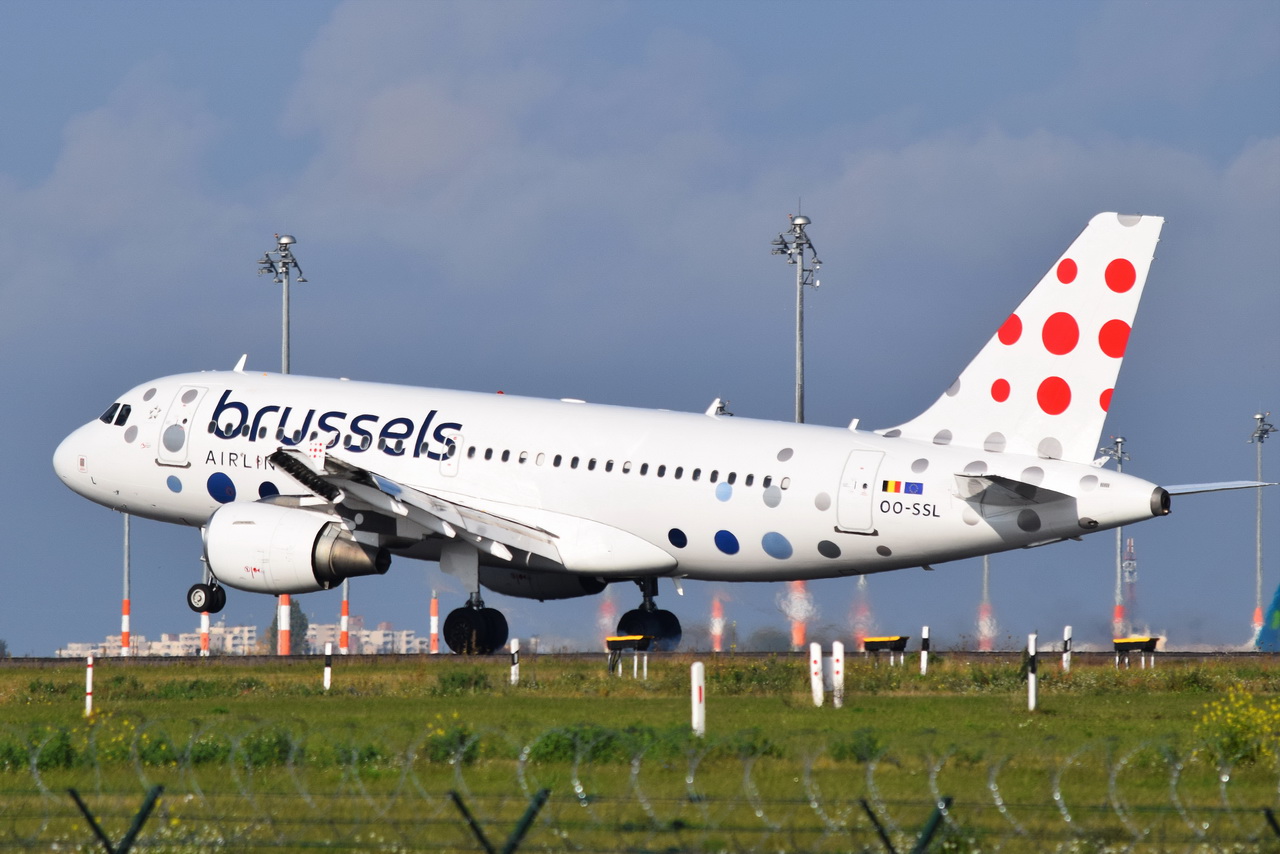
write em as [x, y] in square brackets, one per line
[1171, 758]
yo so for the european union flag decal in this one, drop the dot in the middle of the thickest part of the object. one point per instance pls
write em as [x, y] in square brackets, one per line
[904, 486]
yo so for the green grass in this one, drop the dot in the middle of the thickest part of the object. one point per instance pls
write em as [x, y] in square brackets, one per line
[618, 753]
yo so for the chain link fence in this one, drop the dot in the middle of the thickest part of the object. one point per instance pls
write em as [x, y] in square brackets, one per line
[247, 785]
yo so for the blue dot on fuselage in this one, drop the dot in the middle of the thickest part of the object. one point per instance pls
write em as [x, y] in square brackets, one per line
[776, 545]
[267, 489]
[724, 491]
[727, 542]
[677, 538]
[221, 489]
[174, 484]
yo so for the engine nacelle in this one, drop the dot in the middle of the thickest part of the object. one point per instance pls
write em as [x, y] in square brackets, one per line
[270, 548]
[539, 584]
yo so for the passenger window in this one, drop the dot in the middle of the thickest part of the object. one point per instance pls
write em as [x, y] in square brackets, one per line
[540, 459]
[786, 483]
[697, 473]
[767, 480]
[591, 464]
[573, 463]
[488, 453]
[471, 452]
[608, 466]
[715, 475]
[557, 460]
[732, 478]
[506, 456]
[749, 480]
[679, 471]
[662, 470]
[644, 468]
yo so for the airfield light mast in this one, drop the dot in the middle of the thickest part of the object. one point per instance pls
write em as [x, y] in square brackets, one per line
[1118, 622]
[1257, 437]
[278, 262]
[793, 243]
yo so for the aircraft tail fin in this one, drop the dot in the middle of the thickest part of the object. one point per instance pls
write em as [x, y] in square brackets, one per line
[1269, 634]
[1042, 384]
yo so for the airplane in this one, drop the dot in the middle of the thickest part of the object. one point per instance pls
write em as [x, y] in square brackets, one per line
[298, 483]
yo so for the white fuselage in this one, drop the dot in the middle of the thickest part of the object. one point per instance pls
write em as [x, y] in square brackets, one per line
[710, 497]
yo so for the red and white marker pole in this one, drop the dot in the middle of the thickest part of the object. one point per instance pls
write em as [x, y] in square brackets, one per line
[282, 626]
[204, 633]
[88, 687]
[698, 694]
[815, 672]
[435, 624]
[837, 674]
[717, 625]
[344, 636]
[124, 628]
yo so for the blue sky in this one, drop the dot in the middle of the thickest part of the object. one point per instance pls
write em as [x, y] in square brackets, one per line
[576, 200]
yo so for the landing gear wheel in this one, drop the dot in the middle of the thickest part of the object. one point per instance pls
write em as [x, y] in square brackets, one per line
[199, 597]
[219, 599]
[662, 626]
[475, 631]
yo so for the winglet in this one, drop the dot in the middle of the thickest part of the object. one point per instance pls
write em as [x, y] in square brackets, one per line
[239, 368]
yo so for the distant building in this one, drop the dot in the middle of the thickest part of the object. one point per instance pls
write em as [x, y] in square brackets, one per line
[384, 639]
[223, 640]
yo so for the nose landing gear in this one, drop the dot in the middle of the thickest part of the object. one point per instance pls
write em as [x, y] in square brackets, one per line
[663, 626]
[207, 597]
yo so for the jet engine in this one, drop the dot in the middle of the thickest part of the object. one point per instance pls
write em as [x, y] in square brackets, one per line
[539, 584]
[270, 548]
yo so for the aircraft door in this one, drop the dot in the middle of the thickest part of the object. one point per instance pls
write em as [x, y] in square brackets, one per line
[452, 453]
[857, 492]
[175, 430]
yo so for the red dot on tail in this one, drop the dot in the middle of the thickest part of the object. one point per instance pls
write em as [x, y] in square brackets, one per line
[1061, 333]
[1104, 399]
[1113, 338]
[1054, 395]
[1066, 271]
[1000, 391]
[1121, 275]
[1010, 330]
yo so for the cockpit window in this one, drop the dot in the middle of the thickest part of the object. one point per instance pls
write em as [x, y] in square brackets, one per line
[117, 414]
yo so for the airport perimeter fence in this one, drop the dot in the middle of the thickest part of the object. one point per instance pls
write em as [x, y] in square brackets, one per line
[245, 786]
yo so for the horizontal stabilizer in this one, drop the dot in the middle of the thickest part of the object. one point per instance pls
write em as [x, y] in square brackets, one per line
[1193, 488]
[992, 489]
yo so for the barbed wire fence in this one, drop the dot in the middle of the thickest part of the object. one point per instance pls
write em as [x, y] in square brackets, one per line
[246, 785]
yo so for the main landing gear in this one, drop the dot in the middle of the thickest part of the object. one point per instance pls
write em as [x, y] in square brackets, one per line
[648, 619]
[475, 629]
[207, 597]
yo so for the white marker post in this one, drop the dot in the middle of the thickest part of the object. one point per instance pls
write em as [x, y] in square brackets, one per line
[815, 672]
[328, 664]
[1066, 650]
[88, 687]
[924, 650]
[837, 674]
[1031, 672]
[698, 683]
[515, 661]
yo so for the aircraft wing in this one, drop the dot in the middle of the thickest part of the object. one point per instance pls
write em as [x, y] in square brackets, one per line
[363, 490]
[1193, 488]
[992, 489]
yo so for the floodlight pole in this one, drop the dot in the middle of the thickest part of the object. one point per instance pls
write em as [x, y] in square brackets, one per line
[1117, 452]
[793, 243]
[279, 262]
[1257, 437]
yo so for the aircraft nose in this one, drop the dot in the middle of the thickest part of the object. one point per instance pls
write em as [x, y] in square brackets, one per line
[69, 461]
